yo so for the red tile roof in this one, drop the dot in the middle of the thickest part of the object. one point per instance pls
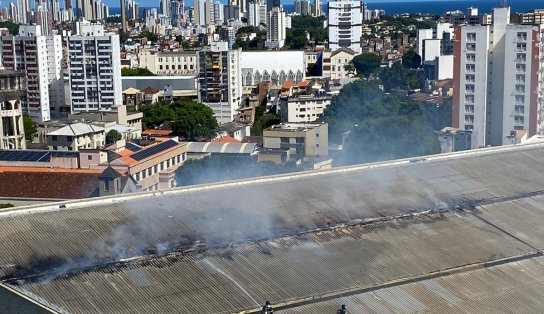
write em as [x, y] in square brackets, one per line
[34, 182]
[287, 84]
[226, 139]
[153, 132]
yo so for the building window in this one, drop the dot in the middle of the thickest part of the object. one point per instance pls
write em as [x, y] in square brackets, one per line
[521, 36]
[519, 119]
[519, 109]
[469, 119]
[471, 78]
[520, 99]
[54, 138]
[471, 47]
[521, 47]
[520, 89]
[469, 88]
[521, 57]
[471, 36]
[106, 185]
[471, 57]
[469, 108]
[520, 78]
[470, 68]
[89, 157]
[520, 67]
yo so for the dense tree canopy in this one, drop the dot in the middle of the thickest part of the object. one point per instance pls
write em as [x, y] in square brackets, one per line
[263, 120]
[399, 77]
[150, 36]
[190, 120]
[366, 63]
[380, 126]
[301, 25]
[136, 72]
[113, 136]
[222, 168]
[12, 27]
[31, 127]
[411, 60]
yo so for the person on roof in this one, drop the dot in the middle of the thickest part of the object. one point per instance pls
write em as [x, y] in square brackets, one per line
[342, 310]
[267, 308]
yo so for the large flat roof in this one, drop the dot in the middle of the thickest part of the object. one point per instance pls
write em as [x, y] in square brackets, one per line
[228, 247]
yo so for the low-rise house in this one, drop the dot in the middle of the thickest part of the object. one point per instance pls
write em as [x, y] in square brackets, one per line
[75, 137]
[151, 95]
[133, 97]
[153, 167]
[234, 129]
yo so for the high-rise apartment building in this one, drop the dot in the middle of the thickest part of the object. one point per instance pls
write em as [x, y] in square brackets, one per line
[345, 24]
[498, 81]
[220, 80]
[94, 69]
[275, 35]
[40, 57]
[203, 12]
[316, 8]
[254, 12]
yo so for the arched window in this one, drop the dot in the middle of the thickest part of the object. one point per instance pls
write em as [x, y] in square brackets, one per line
[257, 78]
[298, 77]
[247, 79]
[16, 105]
[283, 77]
[266, 76]
[274, 76]
[290, 76]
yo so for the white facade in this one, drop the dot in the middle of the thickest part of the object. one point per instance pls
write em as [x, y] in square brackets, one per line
[304, 108]
[220, 84]
[75, 137]
[345, 25]
[274, 66]
[275, 35]
[179, 62]
[339, 59]
[498, 86]
[39, 57]
[423, 34]
[444, 67]
[94, 67]
[431, 50]
[255, 11]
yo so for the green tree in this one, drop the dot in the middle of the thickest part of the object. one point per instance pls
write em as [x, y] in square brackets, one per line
[411, 59]
[194, 120]
[399, 77]
[380, 126]
[31, 127]
[313, 70]
[366, 63]
[150, 36]
[12, 27]
[221, 168]
[263, 120]
[136, 72]
[113, 136]
[190, 120]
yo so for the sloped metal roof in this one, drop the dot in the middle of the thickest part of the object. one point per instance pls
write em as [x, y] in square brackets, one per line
[216, 148]
[239, 243]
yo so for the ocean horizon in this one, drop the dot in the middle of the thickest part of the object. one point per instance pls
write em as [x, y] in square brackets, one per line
[425, 6]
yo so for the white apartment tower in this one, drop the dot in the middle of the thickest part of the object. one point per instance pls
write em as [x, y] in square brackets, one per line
[94, 69]
[275, 35]
[40, 57]
[220, 80]
[498, 81]
[345, 25]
